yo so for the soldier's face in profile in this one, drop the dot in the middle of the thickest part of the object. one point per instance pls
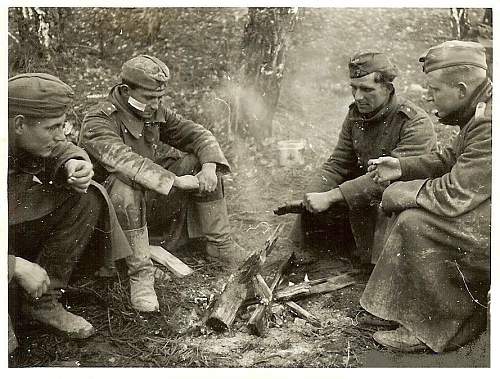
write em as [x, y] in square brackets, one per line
[149, 99]
[446, 98]
[368, 95]
[39, 136]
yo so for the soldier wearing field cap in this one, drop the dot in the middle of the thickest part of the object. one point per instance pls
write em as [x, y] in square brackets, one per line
[433, 275]
[52, 213]
[342, 200]
[163, 173]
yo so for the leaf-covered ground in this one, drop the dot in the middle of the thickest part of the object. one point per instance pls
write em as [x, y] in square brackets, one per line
[200, 46]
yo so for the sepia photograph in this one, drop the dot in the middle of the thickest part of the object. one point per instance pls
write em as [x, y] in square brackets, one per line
[248, 186]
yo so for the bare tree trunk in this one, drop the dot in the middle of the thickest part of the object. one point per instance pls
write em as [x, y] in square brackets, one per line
[33, 28]
[263, 62]
[460, 24]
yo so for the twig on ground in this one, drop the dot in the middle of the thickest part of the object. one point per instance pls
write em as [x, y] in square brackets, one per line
[109, 324]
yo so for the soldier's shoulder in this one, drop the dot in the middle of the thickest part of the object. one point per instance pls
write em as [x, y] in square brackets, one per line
[103, 108]
[410, 109]
[482, 112]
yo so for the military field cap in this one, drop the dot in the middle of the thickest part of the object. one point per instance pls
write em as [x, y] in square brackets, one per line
[38, 95]
[366, 62]
[146, 72]
[454, 53]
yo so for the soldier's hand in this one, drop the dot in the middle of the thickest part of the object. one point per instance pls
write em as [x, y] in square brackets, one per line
[316, 202]
[79, 173]
[207, 177]
[186, 182]
[384, 169]
[31, 277]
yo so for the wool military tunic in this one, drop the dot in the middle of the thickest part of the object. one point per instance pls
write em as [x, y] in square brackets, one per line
[125, 148]
[433, 274]
[37, 186]
[399, 129]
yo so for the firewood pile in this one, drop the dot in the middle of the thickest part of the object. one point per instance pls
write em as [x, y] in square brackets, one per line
[256, 292]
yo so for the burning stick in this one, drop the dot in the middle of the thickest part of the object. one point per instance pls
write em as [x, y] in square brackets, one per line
[256, 324]
[223, 311]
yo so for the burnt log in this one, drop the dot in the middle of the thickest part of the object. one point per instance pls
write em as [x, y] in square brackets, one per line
[302, 313]
[313, 287]
[223, 311]
[258, 321]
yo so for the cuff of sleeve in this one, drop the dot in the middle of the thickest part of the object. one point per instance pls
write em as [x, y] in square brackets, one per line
[407, 164]
[11, 266]
[155, 177]
[402, 195]
[222, 165]
[360, 192]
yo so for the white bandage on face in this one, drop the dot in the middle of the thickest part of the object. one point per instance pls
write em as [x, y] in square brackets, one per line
[136, 104]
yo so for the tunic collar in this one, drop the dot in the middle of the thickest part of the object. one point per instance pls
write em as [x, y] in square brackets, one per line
[463, 115]
[134, 124]
[386, 109]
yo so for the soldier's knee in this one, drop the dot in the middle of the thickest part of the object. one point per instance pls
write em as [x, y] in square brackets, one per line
[409, 219]
[91, 202]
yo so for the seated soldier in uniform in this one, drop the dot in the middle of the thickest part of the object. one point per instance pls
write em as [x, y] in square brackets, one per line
[163, 173]
[433, 275]
[341, 204]
[52, 212]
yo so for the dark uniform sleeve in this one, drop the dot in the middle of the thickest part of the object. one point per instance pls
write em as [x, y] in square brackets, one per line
[430, 165]
[101, 139]
[193, 138]
[468, 183]
[339, 165]
[63, 152]
[417, 137]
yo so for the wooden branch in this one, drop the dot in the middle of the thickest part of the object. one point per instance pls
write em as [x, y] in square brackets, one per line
[302, 313]
[261, 290]
[171, 262]
[314, 287]
[257, 323]
[224, 310]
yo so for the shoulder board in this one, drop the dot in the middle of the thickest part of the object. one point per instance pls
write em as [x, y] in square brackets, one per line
[407, 110]
[480, 109]
[107, 108]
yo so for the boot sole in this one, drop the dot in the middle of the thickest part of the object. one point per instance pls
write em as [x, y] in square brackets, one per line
[69, 335]
[403, 347]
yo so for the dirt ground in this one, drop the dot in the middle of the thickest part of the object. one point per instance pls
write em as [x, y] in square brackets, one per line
[313, 103]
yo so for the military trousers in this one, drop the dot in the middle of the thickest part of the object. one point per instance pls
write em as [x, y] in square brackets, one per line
[172, 219]
[329, 230]
[58, 240]
[433, 276]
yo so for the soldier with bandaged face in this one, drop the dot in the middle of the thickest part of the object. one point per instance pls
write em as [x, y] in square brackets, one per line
[163, 173]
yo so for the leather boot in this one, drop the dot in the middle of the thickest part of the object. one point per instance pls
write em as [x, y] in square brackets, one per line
[215, 227]
[49, 312]
[141, 272]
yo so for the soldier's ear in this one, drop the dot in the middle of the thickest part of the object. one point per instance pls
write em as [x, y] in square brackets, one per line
[19, 124]
[125, 89]
[462, 88]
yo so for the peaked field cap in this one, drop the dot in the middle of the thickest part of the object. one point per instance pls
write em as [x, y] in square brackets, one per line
[365, 62]
[147, 72]
[454, 53]
[38, 95]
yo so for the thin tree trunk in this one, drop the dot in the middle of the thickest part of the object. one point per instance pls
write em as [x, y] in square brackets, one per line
[263, 63]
